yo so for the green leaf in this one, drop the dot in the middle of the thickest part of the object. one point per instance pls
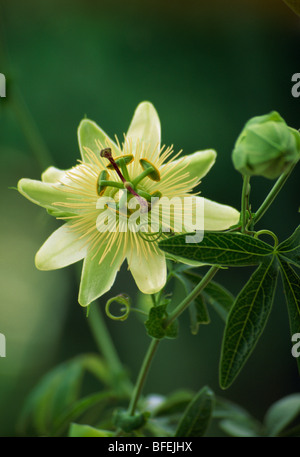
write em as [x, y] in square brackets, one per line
[202, 316]
[197, 310]
[247, 320]
[226, 409]
[175, 403]
[100, 400]
[282, 413]
[236, 421]
[79, 430]
[155, 324]
[291, 284]
[197, 415]
[56, 393]
[215, 294]
[289, 249]
[238, 429]
[228, 249]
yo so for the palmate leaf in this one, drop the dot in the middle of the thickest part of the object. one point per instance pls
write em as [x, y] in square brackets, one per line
[291, 284]
[247, 319]
[289, 249]
[197, 415]
[228, 249]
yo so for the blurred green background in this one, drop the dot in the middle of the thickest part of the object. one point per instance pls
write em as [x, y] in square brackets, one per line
[207, 69]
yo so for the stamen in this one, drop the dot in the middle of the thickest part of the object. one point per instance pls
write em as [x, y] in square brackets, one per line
[153, 173]
[156, 194]
[100, 186]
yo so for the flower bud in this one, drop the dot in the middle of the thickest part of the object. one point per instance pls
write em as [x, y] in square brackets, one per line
[266, 146]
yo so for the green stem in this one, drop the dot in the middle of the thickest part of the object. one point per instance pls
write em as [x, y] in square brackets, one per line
[142, 376]
[192, 295]
[105, 344]
[273, 193]
[154, 343]
[245, 202]
[153, 299]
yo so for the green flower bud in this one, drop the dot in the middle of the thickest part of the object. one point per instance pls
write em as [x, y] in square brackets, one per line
[266, 146]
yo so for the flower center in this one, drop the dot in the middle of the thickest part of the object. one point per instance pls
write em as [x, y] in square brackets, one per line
[120, 166]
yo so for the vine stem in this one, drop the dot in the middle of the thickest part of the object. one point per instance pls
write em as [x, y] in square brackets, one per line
[106, 346]
[142, 376]
[154, 343]
[273, 193]
[192, 295]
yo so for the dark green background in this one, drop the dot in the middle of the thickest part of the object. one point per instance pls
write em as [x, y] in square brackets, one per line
[207, 69]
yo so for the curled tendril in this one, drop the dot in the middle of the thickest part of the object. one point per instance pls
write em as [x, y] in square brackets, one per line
[122, 299]
[148, 236]
[267, 232]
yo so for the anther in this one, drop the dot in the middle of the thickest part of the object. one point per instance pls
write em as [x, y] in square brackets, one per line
[156, 194]
[150, 169]
[101, 186]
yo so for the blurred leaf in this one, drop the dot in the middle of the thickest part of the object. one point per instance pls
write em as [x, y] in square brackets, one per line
[291, 432]
[247, 320]
[155, 323]
[78, 430]
[294, 5]
[291, 284]
[215, 294]
[238, 429]
[101, 400]
[56, 392]
[289, 249]
[226, 409]
[197, 415]
[282, 413]
[174, 403]
[236, 421]
[228, 249]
